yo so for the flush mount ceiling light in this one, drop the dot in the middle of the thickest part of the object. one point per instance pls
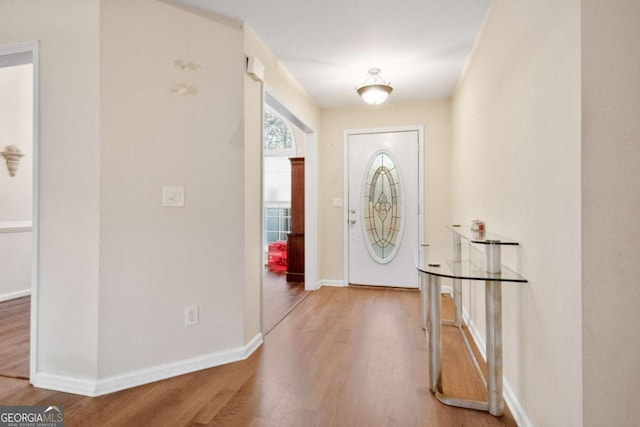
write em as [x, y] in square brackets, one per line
[374, 90]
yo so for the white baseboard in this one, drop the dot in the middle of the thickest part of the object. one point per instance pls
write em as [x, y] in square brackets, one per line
[145, 376]
[80, 386]
[514, 406]
[334, 283]
[510, 398]
[342, 284]
[13, 295]
[252, 345]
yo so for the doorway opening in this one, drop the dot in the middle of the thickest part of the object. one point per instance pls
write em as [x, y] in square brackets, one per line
[286, 140]
[19, 216]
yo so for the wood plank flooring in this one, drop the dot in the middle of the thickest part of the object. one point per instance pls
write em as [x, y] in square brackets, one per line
[343, 357]
[15, 319]
[279, 297]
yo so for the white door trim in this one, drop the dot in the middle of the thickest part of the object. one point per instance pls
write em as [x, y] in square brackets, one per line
[32, 47]
[345, 188]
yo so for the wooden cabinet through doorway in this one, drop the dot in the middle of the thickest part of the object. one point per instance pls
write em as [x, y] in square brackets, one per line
[295, 239]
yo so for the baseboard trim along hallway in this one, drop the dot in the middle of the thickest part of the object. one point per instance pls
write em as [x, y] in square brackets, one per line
[510, 397]
[145, 376]
[332, 283]
[15, 295]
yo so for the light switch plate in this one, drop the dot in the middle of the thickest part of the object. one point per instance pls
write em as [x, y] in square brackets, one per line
[191, 315]
[173, 196]
[337, 202]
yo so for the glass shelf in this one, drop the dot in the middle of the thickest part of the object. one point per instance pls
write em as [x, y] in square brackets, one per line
[468, 271]
[464, 269]
[482, 238]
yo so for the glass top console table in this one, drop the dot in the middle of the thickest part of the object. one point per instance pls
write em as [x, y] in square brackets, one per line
[493, 274]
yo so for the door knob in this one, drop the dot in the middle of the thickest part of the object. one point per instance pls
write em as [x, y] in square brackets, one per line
[353, 221]
[353, 211]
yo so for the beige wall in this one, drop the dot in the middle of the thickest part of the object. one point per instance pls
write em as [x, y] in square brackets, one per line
[15, 264]
[154, 260]
[516, 165]
[16, 128]
[113, 132]
[280, 83]
[435, 116]
[69, 185]
[610, 206]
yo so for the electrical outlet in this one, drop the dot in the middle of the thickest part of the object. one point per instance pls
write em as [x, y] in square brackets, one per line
[191, 315]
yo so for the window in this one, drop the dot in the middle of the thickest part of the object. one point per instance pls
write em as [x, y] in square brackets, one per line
[277, 224]
[279, 145]
[278, 138]
[382, 207]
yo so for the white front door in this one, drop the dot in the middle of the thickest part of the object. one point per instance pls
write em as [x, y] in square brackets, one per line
[382, 210]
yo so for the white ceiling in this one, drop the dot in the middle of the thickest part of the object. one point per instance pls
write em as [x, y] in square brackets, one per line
[328, 46]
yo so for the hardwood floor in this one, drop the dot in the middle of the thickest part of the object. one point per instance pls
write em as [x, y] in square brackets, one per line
[343, 357]
[279, 297]
[15, 318]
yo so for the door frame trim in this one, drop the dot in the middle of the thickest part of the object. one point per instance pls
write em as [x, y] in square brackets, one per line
[345, 189]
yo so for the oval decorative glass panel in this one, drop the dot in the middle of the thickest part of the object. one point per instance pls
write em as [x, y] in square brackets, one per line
[382, 208]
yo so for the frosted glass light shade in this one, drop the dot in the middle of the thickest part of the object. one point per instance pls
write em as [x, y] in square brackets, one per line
[375, 89]
[374, 94]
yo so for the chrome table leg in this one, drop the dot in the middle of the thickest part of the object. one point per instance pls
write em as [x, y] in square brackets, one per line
[423, 299]
[457, 300]
[434, 327]
[457, 283]
[493, 295]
